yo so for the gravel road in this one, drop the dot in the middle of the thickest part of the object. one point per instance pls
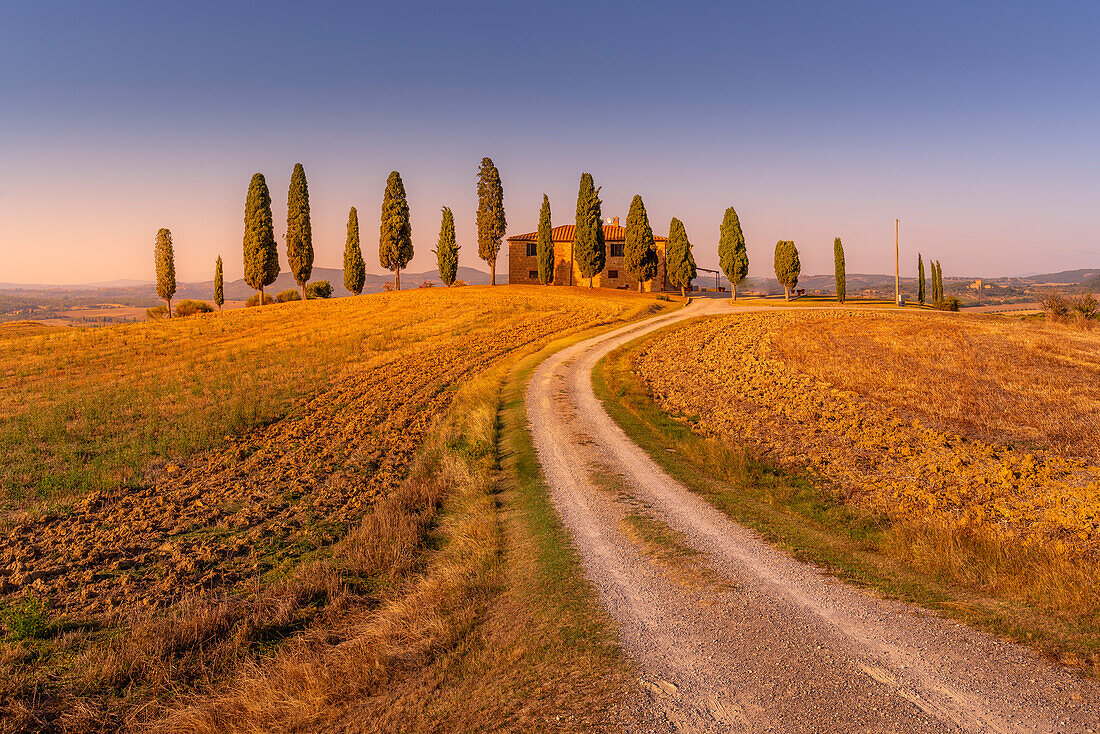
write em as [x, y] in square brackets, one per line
[777, 646]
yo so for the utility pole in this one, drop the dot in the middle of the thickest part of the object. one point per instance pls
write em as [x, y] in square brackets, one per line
[897, 277]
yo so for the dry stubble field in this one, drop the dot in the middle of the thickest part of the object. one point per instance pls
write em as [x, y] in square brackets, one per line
[972, 443]
[188, 503]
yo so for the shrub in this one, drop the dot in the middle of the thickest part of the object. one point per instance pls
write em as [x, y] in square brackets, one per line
[254, 300]
[1084, 306]
[426, 284]
[319, 289]
[951, 304]
[1056, 307]
[188, 307]
[290, 294]
[156, 312]
[25, 618]
[458, 283]
[662, 297]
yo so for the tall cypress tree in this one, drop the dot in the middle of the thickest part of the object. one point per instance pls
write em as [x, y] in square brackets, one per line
[446, 252]
[395, 247]
[639, 250]
[920, 279]
[219, 284]
[165, 260]
[679, 262]
[589, 248]
[545, 244]
[787, 266]
[299, 233]
[732, 256]
[491, 223]
[838, 270]
[355, 270]
[261, 259]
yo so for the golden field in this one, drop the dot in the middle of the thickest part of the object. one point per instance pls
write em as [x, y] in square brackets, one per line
[196, 510]
[973, 441]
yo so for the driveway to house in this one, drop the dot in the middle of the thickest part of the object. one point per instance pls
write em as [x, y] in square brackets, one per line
[759, 641]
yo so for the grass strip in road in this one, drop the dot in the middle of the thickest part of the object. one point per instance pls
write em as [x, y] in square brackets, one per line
[807, 521]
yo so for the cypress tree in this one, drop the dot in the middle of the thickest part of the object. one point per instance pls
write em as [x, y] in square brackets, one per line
[732, 256]
[491, 223]
[219, 284]
[299, 233]
[920, 279]
[589, 248]
[679, 262]
[355, 270]
[787, 266]
[545, 244]
[446, 252]
[639, 250]
[395, 247]
[165, 260]
[838, 269]
[261, 259]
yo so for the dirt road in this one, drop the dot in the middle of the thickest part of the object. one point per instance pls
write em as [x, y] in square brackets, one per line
[765, 643]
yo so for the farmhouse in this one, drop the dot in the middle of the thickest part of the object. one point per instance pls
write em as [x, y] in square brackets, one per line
[523, 264]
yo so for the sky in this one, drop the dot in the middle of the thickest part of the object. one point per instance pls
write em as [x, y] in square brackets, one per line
[974, 123]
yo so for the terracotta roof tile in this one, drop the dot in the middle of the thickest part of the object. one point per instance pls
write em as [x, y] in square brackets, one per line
[564, 233]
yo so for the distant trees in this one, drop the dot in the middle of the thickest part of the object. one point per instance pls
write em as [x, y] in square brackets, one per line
[446, 251]
[544, 247]
[639, 250]
[732, 256]
[920, 279]
[679, 262]
[491, 223]
[299, 232]
[165, 260]
[219, 284]
[395, 247]
[787, 266]
[589, 248]
[261, 259]
[838, 270]
[355, 270]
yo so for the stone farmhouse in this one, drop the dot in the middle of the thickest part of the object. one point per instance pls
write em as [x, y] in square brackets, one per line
[523, 264]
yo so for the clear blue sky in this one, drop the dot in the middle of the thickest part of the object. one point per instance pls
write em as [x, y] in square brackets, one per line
[812, 119]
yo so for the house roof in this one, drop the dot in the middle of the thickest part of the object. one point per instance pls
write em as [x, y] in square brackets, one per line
[566, 233]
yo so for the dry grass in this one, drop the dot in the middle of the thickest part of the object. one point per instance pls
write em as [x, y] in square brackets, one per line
[962, 448]
[393, 598]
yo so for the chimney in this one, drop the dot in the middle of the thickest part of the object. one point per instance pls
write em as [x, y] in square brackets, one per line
[615, 222]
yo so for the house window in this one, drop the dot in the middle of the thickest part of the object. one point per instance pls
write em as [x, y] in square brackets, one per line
[532, 249]
[616, 249]
[612, 273]
[533, 274]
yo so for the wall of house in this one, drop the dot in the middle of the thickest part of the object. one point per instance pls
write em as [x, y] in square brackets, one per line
[523, 268]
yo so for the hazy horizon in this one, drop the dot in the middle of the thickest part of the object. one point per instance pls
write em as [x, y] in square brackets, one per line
[813, 121]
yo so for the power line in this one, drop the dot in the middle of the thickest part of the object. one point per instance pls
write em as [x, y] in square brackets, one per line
[1001, 239]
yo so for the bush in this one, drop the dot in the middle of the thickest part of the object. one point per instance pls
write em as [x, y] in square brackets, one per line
[290, 294]
[319, 289]
[458, 283]
[662, 297]
[1056, 307]
[187, 307]
[25, 618]
[254, 300]
[1084, 306]
[427, 284]
[156, 312]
